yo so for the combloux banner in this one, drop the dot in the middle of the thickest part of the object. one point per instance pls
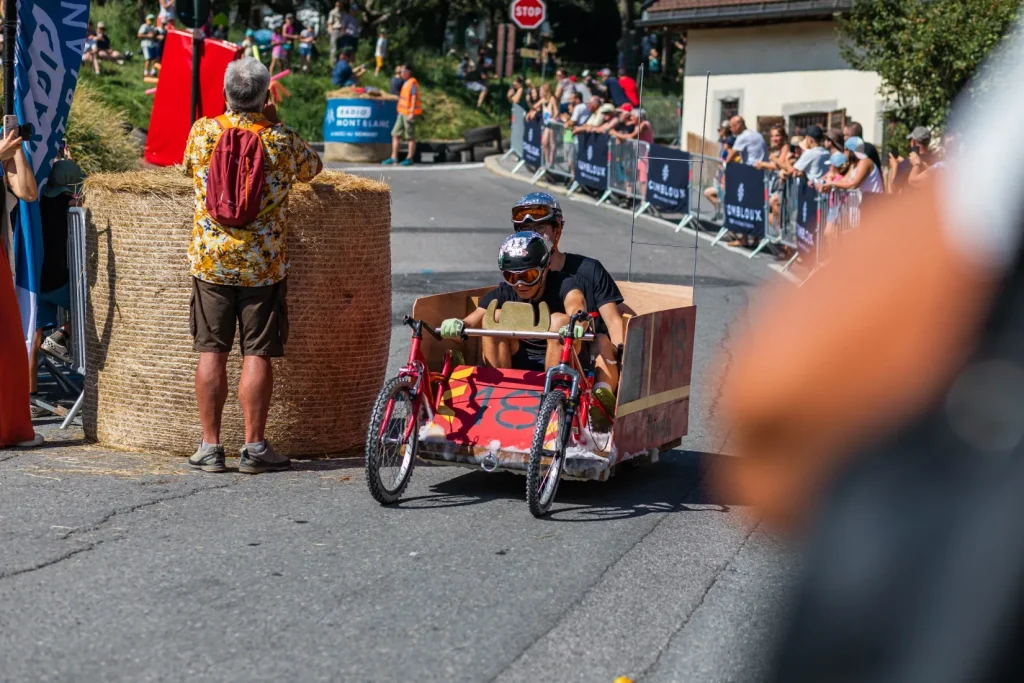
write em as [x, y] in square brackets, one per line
[48, 55]
[592, 160]
[359, 120]
[668, 179]
[531, 142]
[806, 219]
[744, 199]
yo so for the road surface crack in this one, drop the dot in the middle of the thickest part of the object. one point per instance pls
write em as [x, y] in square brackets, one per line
[97, 526]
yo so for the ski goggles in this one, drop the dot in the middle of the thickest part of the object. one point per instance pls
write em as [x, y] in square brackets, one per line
[533, 212]
[528, 277]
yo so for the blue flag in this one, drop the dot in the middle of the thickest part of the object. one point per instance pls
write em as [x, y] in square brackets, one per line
[48, 54]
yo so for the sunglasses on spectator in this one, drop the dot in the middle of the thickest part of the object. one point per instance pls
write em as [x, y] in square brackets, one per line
[528, 277]
[535, 212]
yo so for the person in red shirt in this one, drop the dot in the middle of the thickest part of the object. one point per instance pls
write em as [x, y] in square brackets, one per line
[629, 87]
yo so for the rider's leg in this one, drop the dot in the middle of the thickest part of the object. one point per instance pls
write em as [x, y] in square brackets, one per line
[497, 353]
[554, 353]
[606, 366]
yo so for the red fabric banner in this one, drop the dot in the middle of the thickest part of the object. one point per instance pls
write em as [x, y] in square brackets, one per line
[15, 419]
[170, 121]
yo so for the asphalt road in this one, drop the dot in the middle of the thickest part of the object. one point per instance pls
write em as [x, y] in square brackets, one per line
[120, 567]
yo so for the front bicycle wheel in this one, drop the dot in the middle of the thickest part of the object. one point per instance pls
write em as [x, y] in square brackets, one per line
[391, 441]
[549, 438]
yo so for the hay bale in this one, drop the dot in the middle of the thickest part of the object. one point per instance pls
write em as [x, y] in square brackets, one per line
[140, 367]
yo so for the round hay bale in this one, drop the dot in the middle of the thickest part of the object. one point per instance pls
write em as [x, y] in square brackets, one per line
[140, 362]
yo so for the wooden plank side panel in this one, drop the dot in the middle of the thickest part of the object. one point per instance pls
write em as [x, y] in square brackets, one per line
[434, 309]
[672, 357]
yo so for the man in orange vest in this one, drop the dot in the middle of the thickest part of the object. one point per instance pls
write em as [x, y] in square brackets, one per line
[409, 110]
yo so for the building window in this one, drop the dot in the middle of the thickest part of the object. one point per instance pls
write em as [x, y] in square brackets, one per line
[798, 124]
[730, 107]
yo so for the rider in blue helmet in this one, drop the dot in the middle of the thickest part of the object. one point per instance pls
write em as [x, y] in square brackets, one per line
[524, 260]
[540, 212]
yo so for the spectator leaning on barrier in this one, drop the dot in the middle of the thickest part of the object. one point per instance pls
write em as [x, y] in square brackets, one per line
[409, 109]
[515, 91]
[864, 176]
[749, 143]
[854, 130]
[833, 142]
[580, 112]
[238, 273]
[563, 90]
[811, 163]
[336, 28]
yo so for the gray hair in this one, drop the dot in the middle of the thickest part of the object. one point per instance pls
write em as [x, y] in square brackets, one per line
[246, 83]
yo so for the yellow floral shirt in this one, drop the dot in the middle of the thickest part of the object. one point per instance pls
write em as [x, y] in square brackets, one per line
[253, 256]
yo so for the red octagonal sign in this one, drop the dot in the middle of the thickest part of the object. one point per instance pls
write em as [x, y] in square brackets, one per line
[528, 14]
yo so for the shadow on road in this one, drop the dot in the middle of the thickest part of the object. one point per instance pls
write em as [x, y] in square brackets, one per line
[674, 484]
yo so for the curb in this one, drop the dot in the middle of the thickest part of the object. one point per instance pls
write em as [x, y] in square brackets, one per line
[493, 164]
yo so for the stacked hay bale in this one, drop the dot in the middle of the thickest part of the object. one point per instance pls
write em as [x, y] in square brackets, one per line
[140, 363]
[361, 151]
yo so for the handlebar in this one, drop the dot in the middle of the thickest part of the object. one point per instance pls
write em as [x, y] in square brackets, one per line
[418, 325]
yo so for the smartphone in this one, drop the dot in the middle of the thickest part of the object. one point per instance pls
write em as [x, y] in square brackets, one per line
[10, 123]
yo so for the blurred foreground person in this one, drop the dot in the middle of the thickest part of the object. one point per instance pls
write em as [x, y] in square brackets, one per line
[893, 437]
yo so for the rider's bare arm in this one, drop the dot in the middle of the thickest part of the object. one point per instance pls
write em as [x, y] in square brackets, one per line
[574, 302]
[475, 319]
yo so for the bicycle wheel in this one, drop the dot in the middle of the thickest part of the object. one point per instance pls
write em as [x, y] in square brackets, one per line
[390, 454]
[548, 442]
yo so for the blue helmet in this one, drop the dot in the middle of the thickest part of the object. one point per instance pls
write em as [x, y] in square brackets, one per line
[536, 207]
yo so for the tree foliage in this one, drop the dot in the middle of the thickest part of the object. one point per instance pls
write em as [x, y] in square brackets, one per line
[924, 50]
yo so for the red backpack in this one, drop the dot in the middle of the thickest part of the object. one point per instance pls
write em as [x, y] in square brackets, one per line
[235, 181]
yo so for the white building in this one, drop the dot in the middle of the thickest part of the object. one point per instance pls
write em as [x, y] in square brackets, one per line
[770, 61]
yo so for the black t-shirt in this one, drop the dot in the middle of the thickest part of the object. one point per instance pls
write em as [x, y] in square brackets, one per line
[102, 42]
[54, 214]
[597, 284]
[556, 288]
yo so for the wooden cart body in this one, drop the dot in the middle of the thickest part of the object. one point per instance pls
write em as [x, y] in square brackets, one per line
[488, 415]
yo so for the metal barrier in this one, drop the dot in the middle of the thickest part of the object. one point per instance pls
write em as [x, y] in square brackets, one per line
[842, 215]
[78, 289]
[627, 169]
[558, 151]
[515, 144]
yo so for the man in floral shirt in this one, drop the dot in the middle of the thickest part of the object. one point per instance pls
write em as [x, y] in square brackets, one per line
[238, 274]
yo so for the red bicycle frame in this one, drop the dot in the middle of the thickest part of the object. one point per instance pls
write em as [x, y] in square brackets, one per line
[423, 393]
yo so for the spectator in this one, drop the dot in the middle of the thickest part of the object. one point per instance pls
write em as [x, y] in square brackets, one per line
[290, 33]
[811, 163]
[653, 63]
[238, 274]
[563, 90]
[351, 28]
[249, 45]
[380, 51]
[397, 81]
[749, 144]
[899, 172]
[306, 40]
[102, 49]
[834, 142]
[581, 112]
[628, 86]
[336, 29]
[602, 118]
[854, 130]
[147, 39]
[727, 156]
[167, 11]
[614, 90]
[515, 91]
[777, 148]
[474, 82]
[862, 175]
[409, 109]
[161, 38]
[591, 87]
[278, 50]
[64, 183]
[921, 156]
[344, 75]
[532, 94]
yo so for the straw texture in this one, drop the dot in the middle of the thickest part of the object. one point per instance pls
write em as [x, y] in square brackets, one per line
[140, 363]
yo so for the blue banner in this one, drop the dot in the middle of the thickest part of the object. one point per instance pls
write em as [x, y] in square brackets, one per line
[806, 219]
[360, 120]
[532, 133]
[48, 54]
[744, 199]
[668, 179]
[592, 160]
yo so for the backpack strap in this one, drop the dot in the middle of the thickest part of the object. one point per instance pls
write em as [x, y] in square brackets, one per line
[256, 126]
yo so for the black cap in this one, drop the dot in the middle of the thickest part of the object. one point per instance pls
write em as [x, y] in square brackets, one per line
[814, 132]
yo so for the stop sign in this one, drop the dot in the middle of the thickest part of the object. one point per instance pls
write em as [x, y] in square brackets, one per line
[528, 14]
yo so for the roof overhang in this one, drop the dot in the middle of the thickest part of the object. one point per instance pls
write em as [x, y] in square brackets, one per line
[757, 12]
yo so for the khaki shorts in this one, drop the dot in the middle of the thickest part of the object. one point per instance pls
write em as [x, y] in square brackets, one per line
[261, 314]
[404, 128]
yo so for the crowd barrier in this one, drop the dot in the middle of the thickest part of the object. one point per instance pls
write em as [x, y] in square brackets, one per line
[515, 145]
[775, 212]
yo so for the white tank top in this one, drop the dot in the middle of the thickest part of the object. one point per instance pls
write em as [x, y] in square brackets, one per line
[873, 183]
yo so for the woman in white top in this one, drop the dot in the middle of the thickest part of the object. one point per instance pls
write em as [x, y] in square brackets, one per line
[864, 175]
[19, 183]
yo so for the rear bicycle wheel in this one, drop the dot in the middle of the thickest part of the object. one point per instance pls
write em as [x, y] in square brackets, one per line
[549, 439]
[391, 441]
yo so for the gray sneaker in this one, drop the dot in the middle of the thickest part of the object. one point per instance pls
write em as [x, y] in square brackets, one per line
[266, 460]
[208, 458]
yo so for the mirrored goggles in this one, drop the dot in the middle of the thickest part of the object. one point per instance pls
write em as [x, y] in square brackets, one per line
[528, 277]
[534, 212]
